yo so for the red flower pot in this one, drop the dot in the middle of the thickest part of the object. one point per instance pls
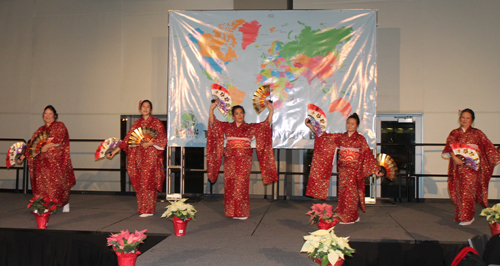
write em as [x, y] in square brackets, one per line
[322, 224]
[339, 262]
[495, 228]
[180, 226]
[42, 220]
[128, 259]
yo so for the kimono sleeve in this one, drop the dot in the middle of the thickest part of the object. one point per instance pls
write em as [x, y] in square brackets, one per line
[325, 148]
[369, 164]
[452, 173]
[451, 139]
[489, 158]
[60, 138]
[58, 132]
[489, 150]
[263, 133]
[215, 148]
[160, 142]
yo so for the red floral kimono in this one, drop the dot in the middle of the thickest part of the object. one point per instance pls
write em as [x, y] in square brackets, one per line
[238, 161]
[356, 161]
[465, 185]
[145, 166]
[51, 172]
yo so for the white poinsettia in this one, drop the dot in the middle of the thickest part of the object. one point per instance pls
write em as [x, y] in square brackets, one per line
[339, 253]
[167, 213]
[342, 242]
[307, 247]
[492, 214]
[324, 243]
[180, 209]
[312, 242]
[333, 257]
[322, 232]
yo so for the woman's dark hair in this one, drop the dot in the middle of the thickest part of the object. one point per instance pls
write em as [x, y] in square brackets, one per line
[468, 111]
[355, 117]
[52, 109]
[146, 101]
[236, 107]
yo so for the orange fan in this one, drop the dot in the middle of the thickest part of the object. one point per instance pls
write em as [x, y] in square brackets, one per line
[225, 103]
[259, 98]
[38, 143]
[107, 146]
[388, 166]
[141, 134]
[15, 151]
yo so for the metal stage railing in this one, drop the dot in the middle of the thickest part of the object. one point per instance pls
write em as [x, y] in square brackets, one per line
[416, 176]
[409, 175]
[24, 167]
[122, 169]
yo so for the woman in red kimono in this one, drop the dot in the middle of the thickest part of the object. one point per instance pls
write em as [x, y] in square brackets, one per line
[145, 163]
[238, 157]
[51, 170]
[466, 185]
[356, 161]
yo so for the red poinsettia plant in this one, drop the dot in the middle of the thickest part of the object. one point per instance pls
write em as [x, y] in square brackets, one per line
[127, 242]
[40, 204]
[323, 215]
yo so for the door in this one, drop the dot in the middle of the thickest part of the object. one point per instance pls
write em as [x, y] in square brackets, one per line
[397, 134]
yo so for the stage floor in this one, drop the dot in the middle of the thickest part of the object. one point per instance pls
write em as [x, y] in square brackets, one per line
[271, 236]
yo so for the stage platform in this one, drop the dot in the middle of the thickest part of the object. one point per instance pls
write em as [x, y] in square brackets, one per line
[388, 234]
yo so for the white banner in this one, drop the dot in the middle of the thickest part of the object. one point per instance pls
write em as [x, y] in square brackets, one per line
[325, 57]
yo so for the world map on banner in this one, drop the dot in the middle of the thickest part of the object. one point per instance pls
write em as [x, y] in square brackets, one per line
[326, 60]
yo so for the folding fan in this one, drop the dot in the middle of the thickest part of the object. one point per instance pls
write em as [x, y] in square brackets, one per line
[317, 118]
[39, 142]
[219, 92]
[467, 154]
[259, 97]
[141, 134]
[107, 146]
[15, 151]
[388, 166]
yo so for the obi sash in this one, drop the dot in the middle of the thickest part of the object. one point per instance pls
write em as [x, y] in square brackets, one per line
[238, 147]
[349, 156]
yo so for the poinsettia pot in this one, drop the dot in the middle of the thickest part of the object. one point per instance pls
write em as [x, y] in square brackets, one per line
[127, 259]
[180, 226]
[42, 220]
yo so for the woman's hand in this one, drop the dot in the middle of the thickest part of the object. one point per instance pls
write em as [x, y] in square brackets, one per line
[20, 159]
[113, 153]
[269, 105]
[44, 148]
[308, 123]
[214, 105]
[148, 144]
[47, 146]
[457, 161]
[211, 112]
